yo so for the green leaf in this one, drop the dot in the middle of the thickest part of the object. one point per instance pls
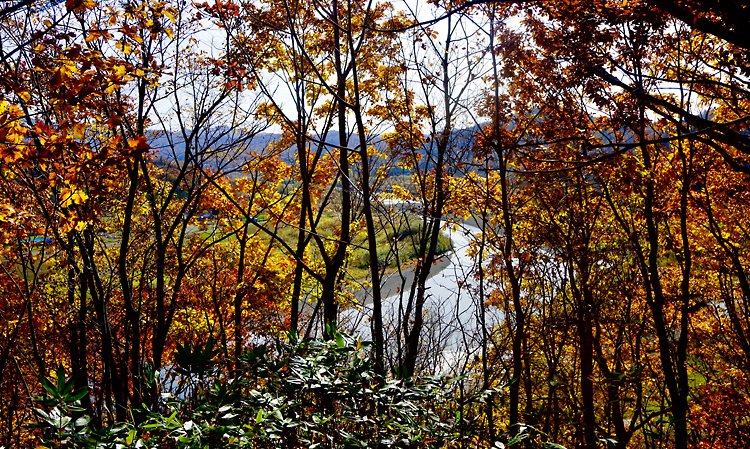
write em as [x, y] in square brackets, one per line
[77, 395]
[49, 387]
[553, 446]
[131, 436]
[60, 379]
[83, 421]
[340, 340]
[293, 337]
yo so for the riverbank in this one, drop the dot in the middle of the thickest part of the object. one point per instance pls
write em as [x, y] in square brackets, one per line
[394, 282]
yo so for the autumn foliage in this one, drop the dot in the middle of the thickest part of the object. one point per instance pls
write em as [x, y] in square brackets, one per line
[181, 175]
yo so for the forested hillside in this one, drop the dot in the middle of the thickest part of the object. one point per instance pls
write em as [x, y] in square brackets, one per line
[229, 224]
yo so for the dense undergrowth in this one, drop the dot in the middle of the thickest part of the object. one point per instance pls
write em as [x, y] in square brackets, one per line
[312, 393]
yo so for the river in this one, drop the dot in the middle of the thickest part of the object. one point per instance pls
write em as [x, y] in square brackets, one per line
[452, 331]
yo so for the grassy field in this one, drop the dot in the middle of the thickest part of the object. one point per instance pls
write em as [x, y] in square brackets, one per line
[396, 245]
[398, 239]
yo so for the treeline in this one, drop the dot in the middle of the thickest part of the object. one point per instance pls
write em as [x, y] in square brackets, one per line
[607, 174]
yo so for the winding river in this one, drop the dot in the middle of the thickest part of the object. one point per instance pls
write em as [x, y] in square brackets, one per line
[452, 328]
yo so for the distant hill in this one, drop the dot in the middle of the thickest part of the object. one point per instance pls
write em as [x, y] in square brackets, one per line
[225, 149]
[215, 143]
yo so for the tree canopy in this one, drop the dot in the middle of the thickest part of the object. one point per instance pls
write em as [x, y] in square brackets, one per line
[199, 202]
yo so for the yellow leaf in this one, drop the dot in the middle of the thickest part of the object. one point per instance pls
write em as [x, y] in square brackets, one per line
[69, 197]
[80, 197]
[170, 15]
[79, 130]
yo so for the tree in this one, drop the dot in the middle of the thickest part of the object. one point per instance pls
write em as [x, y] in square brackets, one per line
[328, 94]
[600, 149]
[651, 135]
[426, 108]
[101, 239]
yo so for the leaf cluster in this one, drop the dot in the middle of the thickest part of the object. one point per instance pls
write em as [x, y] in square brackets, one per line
[310, 393]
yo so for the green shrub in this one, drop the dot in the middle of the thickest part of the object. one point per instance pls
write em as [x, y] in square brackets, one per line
[305, 394]
[312, 393]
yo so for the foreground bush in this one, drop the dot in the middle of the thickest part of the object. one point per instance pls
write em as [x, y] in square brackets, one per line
[314, 393]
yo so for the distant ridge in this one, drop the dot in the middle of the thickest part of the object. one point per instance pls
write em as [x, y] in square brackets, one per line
[224, 148]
